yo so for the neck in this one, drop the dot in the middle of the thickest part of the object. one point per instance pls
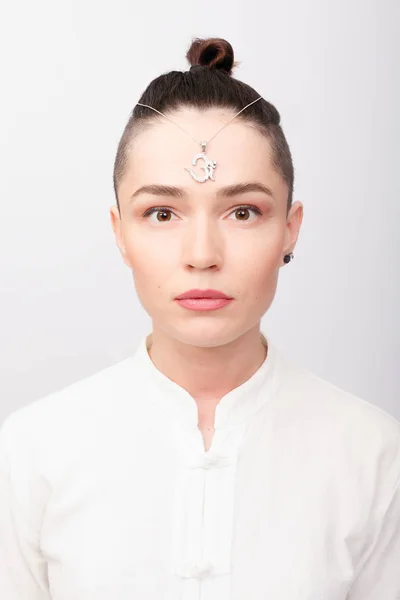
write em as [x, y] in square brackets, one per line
[208, 373]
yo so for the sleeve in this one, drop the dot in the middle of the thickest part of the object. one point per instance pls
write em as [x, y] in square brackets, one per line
[379, 575]
[23, 572]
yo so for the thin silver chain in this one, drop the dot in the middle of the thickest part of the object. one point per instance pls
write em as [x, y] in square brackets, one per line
[203, 144]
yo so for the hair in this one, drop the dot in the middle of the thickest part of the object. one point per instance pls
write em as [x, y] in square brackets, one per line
[208, 83]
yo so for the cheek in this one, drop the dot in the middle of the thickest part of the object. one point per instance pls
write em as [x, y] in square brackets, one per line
[257, 281]
[258, 255]
[256, 264]
[251, 258]
[153, 265]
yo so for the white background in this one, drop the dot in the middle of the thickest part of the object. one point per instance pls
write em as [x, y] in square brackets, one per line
[70, 75]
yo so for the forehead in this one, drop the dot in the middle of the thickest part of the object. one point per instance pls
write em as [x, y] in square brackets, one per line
[160, 153]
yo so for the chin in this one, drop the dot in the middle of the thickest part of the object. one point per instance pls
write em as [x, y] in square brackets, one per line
[208, 333]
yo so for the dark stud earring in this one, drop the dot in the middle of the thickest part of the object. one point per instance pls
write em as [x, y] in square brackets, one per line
[288, 257]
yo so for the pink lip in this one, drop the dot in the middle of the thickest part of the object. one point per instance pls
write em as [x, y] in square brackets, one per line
[204, 303]
[196, 294]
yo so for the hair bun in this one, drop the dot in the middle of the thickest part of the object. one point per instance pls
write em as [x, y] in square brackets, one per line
[211, 52]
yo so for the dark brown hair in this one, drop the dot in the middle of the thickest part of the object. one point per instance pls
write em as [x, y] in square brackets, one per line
[208, 83]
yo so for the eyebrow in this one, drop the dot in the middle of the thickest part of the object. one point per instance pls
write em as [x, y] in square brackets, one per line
[225, 192]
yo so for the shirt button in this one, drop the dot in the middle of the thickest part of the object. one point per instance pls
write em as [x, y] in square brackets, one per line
[197, 571]
[206, 461]
[211, 460]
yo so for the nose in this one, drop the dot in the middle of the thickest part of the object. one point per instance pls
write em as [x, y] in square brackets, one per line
[203, 245]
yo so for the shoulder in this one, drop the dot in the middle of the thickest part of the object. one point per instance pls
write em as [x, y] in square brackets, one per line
[322, 397]
[67, 411]
[351, 427]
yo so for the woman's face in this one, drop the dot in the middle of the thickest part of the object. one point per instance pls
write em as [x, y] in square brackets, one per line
[200, 238]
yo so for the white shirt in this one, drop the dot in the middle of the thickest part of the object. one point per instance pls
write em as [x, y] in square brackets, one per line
[106, 492]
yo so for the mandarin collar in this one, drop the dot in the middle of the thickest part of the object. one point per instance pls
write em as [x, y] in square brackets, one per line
[236, 406]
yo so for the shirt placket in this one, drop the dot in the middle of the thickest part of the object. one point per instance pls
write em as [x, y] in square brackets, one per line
[204, 512]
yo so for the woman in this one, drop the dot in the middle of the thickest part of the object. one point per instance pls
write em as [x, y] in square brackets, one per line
[207, 465]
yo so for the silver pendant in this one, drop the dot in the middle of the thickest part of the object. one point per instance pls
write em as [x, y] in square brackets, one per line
[208, 167]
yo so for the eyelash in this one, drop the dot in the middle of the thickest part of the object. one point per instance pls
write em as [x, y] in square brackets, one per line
[165, 209]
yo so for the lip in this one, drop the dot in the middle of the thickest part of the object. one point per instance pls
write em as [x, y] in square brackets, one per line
[195, 294]
[203, 304]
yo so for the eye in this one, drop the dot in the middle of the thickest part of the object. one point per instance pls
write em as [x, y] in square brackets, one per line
[163, 211]
[159, 210]
[245, 209]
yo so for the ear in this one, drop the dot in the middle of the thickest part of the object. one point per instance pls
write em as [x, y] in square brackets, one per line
[117, 228]
[293, 224]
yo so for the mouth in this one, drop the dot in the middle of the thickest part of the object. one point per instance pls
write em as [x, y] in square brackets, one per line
[203, 295]
[203, 304]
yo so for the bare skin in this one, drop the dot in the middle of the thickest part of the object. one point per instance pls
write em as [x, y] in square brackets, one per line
[202, 242]
[207, 431]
